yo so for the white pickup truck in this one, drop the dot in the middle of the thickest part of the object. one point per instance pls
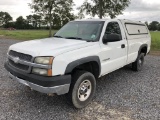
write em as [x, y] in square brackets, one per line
[79, 53]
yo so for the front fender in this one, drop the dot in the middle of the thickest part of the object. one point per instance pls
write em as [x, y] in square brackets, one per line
[81, 61]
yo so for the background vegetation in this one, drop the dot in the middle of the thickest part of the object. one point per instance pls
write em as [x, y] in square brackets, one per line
[53, 14]
[155, 41]
[24, 34]
[38, 34]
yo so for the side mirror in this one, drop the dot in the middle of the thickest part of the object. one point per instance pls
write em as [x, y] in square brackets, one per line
[111, 38]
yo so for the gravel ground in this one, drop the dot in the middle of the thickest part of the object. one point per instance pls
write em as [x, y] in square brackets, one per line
[121, 95]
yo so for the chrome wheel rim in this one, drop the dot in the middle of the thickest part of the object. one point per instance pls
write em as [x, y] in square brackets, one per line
[140, 62]
[84, 90]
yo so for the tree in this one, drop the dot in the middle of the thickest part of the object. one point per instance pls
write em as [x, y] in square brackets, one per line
[159, 27]
[62, 18]
[65, 18]
[103, 8]
[48, 9]
[9, 25]
[153, 25]
[29, 19]
[37, 20]
[20, 23]
[5, 18]
[34, 20]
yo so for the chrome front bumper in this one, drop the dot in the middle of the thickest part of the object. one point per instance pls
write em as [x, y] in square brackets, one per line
[59, 90]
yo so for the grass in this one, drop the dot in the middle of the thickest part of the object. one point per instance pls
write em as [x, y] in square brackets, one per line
[37, 34]
[25, 34]
[155, 41]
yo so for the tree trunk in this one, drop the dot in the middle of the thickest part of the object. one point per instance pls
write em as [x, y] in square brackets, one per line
[100, 16]
[50, 19]
[100, 9]
[50, 26]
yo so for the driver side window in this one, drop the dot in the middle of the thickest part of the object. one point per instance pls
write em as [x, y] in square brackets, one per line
[113, 28]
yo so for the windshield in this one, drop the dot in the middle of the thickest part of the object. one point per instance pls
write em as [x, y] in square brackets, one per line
[81, 30]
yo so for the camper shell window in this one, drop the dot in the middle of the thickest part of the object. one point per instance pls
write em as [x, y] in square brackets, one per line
[136, 29]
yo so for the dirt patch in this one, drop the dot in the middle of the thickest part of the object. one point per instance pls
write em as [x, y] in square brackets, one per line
[155, 53]
[96, 111]
[2, 37]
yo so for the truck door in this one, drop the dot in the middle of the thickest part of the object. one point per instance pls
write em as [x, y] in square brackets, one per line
[114, 54]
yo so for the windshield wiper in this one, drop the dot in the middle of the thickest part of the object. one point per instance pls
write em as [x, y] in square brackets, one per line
[58, 36]
[74, 38]
[90, 41]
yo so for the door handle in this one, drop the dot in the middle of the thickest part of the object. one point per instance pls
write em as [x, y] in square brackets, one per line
[123, 46]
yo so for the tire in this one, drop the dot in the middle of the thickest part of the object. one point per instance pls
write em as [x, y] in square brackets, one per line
[82, 89]
[138, 64]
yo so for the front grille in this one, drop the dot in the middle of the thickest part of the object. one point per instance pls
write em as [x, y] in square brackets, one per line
[19, 66]
[21, 56]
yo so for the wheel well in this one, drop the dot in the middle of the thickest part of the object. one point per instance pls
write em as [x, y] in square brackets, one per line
[144, 50]
[92, 67]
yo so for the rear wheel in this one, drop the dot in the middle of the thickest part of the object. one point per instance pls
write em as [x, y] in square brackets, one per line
[82, 88]
[138, 64]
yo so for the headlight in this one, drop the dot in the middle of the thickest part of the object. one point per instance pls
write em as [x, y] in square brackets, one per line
[44, 60]
[40, 71]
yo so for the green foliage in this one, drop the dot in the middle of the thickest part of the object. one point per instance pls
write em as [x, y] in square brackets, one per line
[154, 26]
[53, 11]
[158, 27]
[20, 23]
[4, 18]
[29, 19]
[34, 20]
[103, 8]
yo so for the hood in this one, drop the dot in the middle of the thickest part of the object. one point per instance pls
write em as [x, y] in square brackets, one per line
[49, 46]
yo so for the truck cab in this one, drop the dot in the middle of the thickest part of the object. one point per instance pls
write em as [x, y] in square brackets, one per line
[77, 55]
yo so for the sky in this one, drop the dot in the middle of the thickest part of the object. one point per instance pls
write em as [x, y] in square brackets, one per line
[139, 10]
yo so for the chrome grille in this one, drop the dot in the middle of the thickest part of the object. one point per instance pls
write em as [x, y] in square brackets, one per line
[21, 56]
[19, 66]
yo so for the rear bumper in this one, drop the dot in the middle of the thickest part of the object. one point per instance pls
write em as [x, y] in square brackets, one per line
[59, 84]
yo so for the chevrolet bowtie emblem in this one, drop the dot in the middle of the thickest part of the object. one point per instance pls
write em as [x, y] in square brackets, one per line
[16, 59]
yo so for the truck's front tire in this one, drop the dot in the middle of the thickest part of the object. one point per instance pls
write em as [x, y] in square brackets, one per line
[138, 64]
[82, 88]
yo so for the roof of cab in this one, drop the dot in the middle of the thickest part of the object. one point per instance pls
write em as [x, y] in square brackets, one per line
[90, 19]
[130, 21]
[122, 20]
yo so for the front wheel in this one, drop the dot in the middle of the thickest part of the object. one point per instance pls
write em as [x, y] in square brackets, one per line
[82, 88]
[138, 64]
